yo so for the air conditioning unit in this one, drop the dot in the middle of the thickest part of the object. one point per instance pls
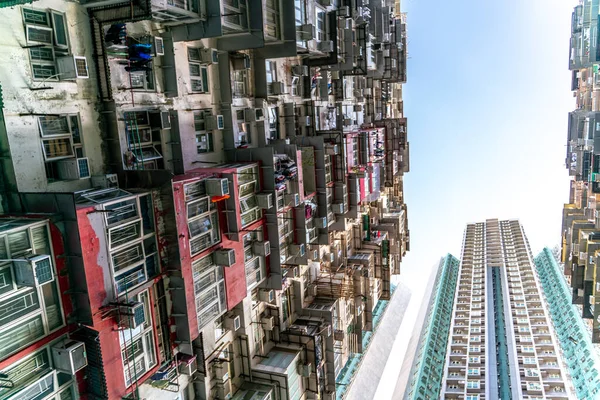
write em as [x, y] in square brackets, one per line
[72, 67]
[338, 208]
[34, 271]
[313, 290]
[344, 12]
[307, 32]
[306, 120]
[217, 186]
[233, 323]
[300, 70]
[297, 250]
[347, 122]
[158, 46]
[325, 46]
[277, 88]
[314, 255]
[261, 248]
[335, 74]
[214, 122]
[241, 63]
[358, 107]
[249, 115]
[331, 149]
[224, 257]
[266, 295]
[268, 323]
[187, 365]
[132, 314]
[338, 334]
[74, 168]
[69, 356]
[580, 292]
[367, 119]
[105, 181]
[293, 199]
[264, 200]
[325, 3]
[221, 371]
[304, 369]
[592, 299]
[209, 56]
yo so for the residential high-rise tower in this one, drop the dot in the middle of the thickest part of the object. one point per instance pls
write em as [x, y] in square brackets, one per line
[501, 343]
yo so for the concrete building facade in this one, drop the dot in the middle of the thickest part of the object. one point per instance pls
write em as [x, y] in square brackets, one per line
[221, 186]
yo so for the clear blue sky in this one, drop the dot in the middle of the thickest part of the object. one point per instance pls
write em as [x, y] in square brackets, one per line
[487, 99]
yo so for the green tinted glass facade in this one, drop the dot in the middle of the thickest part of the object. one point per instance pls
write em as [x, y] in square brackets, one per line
[427, 371]
[571, 333]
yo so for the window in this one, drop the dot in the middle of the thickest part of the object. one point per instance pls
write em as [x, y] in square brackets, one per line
[474, 360]
[321, 27]
[472, 397]
[137, 345]
[198, 72]
[272, 22]
[209, 290]
[473, 372]
[235, 16]
[271, 67]
[47, 29]
[203, 223]
[240, 83]
[33, 377]
[204, 140]
[27, 313]
[61, 138]
[472, 384]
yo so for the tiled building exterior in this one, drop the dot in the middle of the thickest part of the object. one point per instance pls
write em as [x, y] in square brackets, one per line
[200, 199]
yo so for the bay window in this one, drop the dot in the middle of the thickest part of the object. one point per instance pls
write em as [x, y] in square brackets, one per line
[209, 290]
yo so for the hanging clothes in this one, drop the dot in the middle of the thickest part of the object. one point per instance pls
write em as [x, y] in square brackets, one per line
[140, 52]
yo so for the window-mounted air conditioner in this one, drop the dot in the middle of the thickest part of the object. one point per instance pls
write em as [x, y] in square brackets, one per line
[313, 290]
[214, 122]
[241, 62]
[132, 314]
[304, 369]
[297, 250]
[300, 70]
[264, 200]
[357, 107]
[338, 208]
[261, 248]
[209, 56]
[307, 32]
[69, 356]
[106, 181]
[293, 199]
[72, 67]
[320, 222]
[33, 271]
[217, 186]
[338, 334]
[268, 323]
[74, 168]
[277, 88]
[224, 257]
[325, 46]
[233, 323]
[331, 149]
[187, 365]
[266, 295]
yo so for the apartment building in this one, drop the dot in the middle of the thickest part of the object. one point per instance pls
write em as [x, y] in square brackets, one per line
[427, 370]
[488, 332]
[573, 335]
[200, 199]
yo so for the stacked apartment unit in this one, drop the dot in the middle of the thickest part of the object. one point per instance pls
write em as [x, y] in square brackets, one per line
[199, 199]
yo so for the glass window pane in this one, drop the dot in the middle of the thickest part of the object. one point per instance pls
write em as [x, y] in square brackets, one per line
[38, 17]
[60, 29]
[57, 148]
